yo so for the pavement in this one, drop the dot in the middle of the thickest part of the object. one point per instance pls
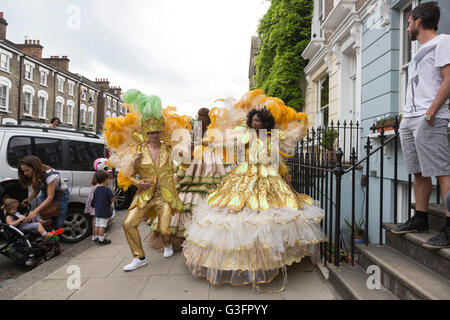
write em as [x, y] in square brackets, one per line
[87, 271]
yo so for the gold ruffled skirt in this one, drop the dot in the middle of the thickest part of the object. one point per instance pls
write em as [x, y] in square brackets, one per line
[248, 245]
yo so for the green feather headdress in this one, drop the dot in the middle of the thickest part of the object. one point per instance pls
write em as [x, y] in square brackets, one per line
[148, 107]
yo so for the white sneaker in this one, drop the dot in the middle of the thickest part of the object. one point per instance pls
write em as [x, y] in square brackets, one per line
[136, 263]
[168, 251]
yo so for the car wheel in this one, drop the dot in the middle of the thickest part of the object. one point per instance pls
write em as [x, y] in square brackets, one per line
[122, 198]
[77, 226]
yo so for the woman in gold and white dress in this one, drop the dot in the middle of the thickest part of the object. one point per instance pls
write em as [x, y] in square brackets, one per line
[254, 224]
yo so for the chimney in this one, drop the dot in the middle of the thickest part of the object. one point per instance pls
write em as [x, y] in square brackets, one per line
[3, 25]
[60, 63]
[32, 48]
[103, 84]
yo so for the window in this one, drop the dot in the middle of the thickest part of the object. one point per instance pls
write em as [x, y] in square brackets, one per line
[322, 107]
[59, 110]
[44, 77]
[71, 88]
[18, 147]
[4, 97]
[115, 105]
[4, 61]
[83, 154]
[114, 115]
[108, 114]
[91, 95]
[29, 72]
[50, 152]
[83, 94]
[42, 107]
[91, 117]
[407, 49]
[69, 112]
[83, 114]
[109, 103]
[61, 85]
[5, 87]
[27, 103]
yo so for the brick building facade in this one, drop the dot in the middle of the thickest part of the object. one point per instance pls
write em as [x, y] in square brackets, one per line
[34, 89]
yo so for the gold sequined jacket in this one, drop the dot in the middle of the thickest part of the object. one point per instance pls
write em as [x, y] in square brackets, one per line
[161, 174]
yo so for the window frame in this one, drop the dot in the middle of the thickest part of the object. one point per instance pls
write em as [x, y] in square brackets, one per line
[71, 86]
[60, 84]
[414, 48]
[43, 72]
[70, 107]
[28, 90]
[60, 114]
[8, 84]
[83, 114]
[90, 116]
[8, 56]
[43, 95]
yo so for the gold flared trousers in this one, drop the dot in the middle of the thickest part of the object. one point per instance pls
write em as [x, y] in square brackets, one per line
[156, 207]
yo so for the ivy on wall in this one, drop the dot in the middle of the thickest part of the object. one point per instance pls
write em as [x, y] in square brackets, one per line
[284, 32]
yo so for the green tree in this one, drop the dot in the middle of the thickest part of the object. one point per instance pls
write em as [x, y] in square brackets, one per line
[284, 31]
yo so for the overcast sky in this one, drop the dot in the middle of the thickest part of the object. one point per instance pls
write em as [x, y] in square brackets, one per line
[189, 53]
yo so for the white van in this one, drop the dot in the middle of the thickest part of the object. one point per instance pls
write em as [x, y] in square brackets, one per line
[71, 153]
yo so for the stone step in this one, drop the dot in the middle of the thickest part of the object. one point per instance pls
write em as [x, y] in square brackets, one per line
[436, 215]
[410, 244]
[404, 277]
[351, 283]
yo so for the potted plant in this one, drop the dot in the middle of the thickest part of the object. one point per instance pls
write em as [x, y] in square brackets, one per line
[329, 253]
[328, 140]
[386, 121]
[359, 229]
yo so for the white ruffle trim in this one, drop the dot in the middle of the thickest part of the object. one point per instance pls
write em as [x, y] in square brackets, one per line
[278, 229]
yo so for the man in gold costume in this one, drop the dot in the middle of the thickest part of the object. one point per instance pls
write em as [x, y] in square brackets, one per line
[156, 195]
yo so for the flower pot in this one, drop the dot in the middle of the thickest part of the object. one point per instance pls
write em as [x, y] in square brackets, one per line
[358, 239]
[331, 155]
[388, 125]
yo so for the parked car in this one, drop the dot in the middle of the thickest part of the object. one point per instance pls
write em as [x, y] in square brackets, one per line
[71, 153]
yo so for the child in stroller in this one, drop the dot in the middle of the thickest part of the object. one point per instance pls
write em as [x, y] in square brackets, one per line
[26, 247]
[18, 220]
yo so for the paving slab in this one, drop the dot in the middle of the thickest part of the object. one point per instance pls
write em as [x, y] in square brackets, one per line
[111, 289]
[157, 265]
[48, 290]
[101, 251]
[179, 265]
[246, 292]
[175, 287]
[89, 268]
[306, 286]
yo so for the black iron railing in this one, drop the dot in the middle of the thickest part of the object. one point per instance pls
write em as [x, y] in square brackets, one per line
[318, 170]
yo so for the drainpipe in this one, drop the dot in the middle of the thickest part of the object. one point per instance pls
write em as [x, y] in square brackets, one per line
[19, 121]
[55, 79]
[79, 103]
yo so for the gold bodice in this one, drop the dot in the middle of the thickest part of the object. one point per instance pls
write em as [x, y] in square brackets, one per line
[255, 183]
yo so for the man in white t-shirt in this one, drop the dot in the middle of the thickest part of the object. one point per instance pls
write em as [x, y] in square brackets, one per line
[423, 130]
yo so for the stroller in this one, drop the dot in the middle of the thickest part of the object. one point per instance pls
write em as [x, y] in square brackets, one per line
[26, 248]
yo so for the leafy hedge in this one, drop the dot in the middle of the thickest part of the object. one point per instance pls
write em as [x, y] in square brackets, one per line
[284, 31]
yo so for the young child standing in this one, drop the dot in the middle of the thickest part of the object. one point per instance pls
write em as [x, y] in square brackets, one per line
[102, 201]
[15, 219]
